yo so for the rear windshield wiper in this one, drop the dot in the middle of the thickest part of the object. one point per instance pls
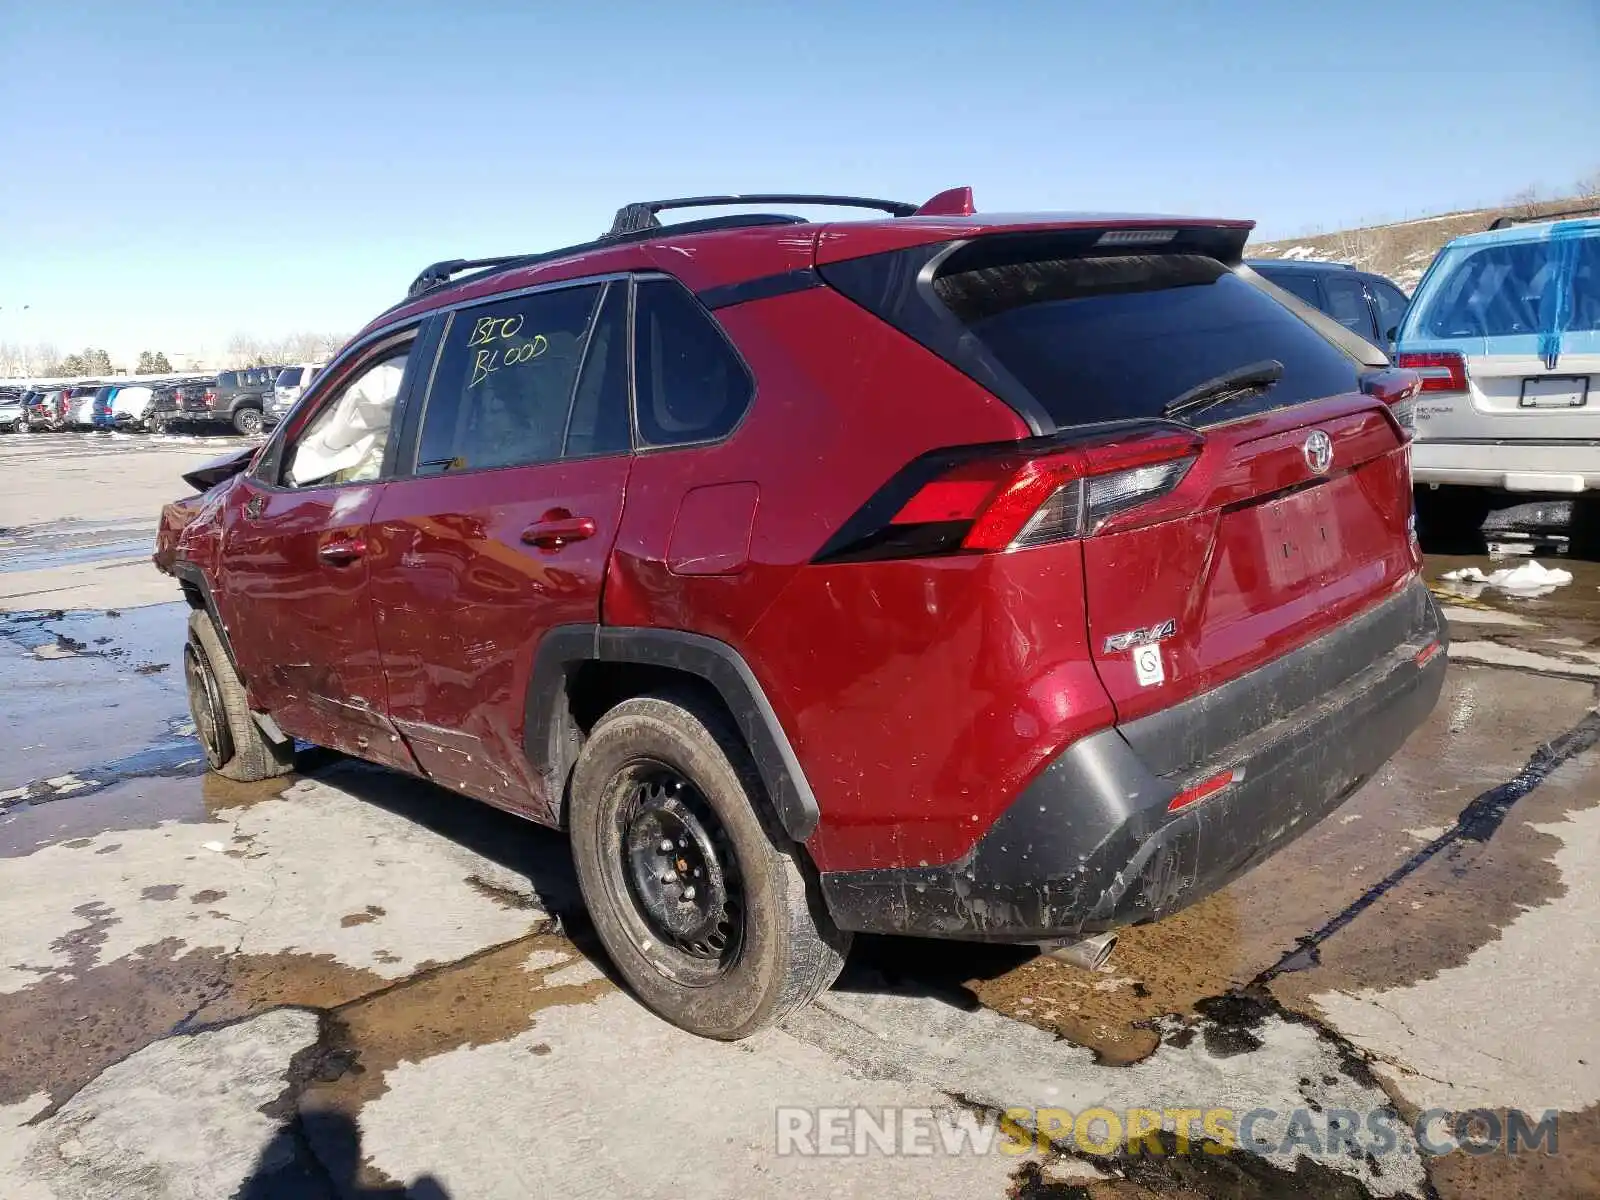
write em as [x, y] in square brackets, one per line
[1249, 378]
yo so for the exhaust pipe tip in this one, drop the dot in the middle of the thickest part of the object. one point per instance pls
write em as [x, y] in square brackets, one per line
[1089, 953]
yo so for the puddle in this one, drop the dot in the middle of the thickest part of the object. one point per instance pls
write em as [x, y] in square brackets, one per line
[1570, 608]
[1380, 905]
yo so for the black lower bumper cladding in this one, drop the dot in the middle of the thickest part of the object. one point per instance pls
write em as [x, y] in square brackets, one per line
[1090, 844]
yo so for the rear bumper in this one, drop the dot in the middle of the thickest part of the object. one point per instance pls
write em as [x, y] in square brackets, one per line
[1512, 466]
[1090, 844]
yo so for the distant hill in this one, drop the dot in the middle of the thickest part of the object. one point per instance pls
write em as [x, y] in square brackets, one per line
[1403, 250]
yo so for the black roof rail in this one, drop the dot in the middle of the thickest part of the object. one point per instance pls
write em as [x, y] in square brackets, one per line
[633, 218]
[1507, 222]
[636, 221]
[440, 273]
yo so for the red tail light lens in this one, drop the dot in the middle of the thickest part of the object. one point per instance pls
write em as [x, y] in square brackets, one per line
[1397, 387]
[1010, 500]
[1440, 370]
[209, 398]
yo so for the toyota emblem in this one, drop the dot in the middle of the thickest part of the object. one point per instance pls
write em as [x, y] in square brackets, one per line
[1319, 452]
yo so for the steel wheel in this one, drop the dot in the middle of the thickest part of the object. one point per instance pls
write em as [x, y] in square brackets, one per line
[681, 876]
[205, 705]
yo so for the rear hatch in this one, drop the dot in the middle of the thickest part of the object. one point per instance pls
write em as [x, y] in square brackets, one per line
[1215, 537]
[1508, 333]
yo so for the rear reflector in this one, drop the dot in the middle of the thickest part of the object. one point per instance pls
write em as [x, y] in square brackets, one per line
[1440, 371]
[1428, 653]
[1200, 791]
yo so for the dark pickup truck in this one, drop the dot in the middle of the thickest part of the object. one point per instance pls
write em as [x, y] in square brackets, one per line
[236, 398]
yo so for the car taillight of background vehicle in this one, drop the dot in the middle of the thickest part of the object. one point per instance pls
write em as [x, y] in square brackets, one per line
[1440, 370]
[1009, 500]
[209, 398]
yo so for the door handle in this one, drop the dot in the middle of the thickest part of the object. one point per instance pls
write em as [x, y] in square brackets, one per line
[343, 553]
[557, 528]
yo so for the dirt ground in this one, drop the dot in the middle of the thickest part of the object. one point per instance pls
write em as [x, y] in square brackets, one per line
[350, 983]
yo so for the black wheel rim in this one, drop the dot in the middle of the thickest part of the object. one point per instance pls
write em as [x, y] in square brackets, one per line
[205, 705]
[682, 883]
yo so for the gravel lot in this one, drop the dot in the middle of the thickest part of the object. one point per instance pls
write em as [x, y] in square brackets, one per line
[350, 983]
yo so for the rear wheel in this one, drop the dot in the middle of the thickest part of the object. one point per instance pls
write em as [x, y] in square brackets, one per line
[233, 743]
[707, 912]
[248, 421]
[22, 425]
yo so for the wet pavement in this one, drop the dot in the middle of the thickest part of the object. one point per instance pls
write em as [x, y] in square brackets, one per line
[346, 982]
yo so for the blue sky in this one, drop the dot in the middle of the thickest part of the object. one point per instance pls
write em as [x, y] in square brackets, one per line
[196, 170]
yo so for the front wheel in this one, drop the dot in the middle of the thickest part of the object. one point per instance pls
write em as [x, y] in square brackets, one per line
[22, 425]
[249, 421]
[234, 745]
[712, 918]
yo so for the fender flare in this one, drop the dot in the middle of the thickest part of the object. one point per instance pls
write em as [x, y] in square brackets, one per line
[551, 743]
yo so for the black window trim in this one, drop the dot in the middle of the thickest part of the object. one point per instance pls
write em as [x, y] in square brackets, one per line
[267, 473]
[411, 439]
[640, 445]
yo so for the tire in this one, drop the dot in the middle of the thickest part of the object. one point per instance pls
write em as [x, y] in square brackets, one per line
[248, 421]
[234, 745]
[22, 425]
[647, 763]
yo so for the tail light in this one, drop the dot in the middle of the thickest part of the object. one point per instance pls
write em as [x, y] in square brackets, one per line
[1440, 370]
[1001, 499]
[209, 398]
[1397, 387]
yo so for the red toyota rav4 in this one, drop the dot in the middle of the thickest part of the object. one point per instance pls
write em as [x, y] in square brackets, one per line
[1003, 578]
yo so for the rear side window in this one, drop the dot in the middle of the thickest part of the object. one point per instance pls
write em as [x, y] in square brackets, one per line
[689, 384]
[504, 385]
[1347, 304]
[1099, 338]
[1514, 288]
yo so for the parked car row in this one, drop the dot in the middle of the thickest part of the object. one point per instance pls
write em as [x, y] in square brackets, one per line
[249, 401]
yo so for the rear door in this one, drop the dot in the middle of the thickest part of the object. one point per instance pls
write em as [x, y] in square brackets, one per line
[296, 556]
[1293, 514]
[503, 527]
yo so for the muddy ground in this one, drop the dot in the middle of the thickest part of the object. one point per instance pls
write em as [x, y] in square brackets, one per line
[348, 983]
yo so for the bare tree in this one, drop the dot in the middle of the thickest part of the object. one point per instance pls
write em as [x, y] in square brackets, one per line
[1525, 203]
[1588, 188]
[249, 350]
[1354, 245]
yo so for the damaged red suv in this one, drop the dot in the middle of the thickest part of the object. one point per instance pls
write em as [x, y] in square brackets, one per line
[965, 576]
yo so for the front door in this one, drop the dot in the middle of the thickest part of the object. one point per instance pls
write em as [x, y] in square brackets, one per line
[503, 528]
[295, 590]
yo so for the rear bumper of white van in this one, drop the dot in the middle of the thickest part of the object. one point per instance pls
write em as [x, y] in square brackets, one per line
[1512, 466]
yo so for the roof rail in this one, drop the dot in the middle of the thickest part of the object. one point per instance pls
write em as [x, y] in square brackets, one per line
[639, 220]
[633, 218]
[1508, 221]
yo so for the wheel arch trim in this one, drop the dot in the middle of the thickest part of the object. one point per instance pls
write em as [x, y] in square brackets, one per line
[551, 749]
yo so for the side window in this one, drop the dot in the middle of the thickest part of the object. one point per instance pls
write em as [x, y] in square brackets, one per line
[504, 384]
[1303, 286]
[599, 420]
[1347, 304]
[690, 386]
[345, 441]
[1391, 305]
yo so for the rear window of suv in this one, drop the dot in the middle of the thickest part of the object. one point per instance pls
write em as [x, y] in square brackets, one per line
[1510, 288]
[1113, 337]
[289, 377]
